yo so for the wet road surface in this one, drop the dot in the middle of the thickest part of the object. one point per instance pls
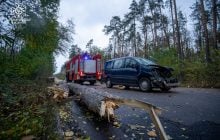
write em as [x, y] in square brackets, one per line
[191, 113]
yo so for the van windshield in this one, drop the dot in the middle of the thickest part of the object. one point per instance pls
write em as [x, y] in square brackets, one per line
[145, 61]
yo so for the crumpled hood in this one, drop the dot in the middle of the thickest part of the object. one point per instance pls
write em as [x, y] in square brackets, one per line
[161, 70]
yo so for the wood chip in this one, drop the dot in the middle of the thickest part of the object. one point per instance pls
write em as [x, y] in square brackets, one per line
[136, 126]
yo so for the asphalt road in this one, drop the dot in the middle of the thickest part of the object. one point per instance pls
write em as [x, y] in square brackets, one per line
[186, 105]
[191, 113]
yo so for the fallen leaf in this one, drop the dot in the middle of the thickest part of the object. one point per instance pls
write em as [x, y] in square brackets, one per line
[68, 133]
[152, 125]
[116, 124]
[145, 118]
[112, 137]
[133, 135]
[169, 137]
[136, 126]
[183, 129]
[152, 134]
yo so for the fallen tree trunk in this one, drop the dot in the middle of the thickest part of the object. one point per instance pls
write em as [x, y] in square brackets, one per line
[104, 104]
[95, 100]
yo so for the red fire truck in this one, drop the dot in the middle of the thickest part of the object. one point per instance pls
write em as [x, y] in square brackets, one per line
[84, 67]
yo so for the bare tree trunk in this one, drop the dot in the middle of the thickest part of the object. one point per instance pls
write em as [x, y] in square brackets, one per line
[214, 16]
[115, 42]
[205, 31]
[171, 8]
[179, 49]
[154, 41]
[145, 43]
[164, 30]
[154, 26]
[123, 42]
[135, 42]
[119, 48]
[177, 32]
[12, 51]
[200, 37]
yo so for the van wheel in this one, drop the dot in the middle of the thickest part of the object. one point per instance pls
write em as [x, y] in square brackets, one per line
[92, 82]
[67, 78]
[144, 84]
[78, 81]
[108, 83]
[127, 87]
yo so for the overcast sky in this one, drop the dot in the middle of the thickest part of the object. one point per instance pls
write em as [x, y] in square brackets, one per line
[90, 16]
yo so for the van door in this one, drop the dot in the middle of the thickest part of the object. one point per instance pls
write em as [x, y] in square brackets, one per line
[107, 69]
[117, 71]
[131, 71]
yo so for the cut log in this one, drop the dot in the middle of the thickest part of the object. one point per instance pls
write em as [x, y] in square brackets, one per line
[104, 104]
[95, 100]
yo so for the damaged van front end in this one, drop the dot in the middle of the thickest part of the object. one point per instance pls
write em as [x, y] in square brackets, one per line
[161, 77]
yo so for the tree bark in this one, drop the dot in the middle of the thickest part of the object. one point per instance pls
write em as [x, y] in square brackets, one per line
[145, 44]
[177, 32]
[154, 27]
[214, 16]
[171, 9]
[115, 42]
[164, 29]
[123, 41]
[95, 100]
[135, 42]
[205, 30]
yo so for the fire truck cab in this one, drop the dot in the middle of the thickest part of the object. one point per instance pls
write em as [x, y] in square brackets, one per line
[84, 67]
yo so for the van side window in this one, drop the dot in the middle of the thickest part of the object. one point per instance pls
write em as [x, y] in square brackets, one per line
[118, 64]
[130, 63]
[109, 65]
